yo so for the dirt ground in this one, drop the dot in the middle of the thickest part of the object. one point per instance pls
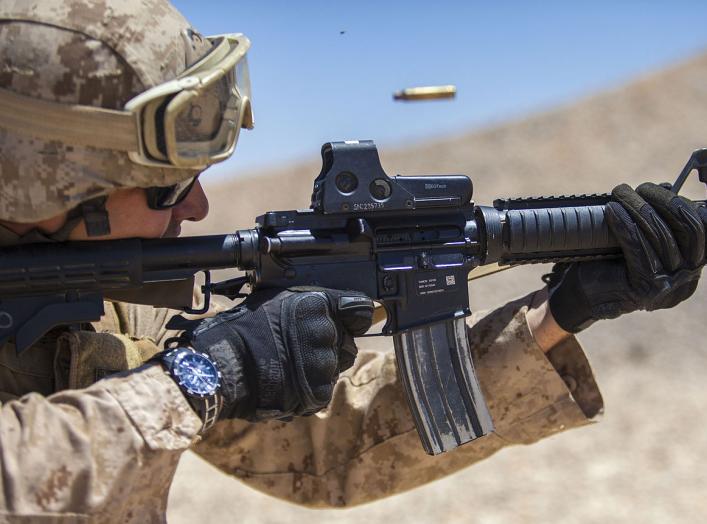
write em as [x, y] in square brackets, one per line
[644, 461]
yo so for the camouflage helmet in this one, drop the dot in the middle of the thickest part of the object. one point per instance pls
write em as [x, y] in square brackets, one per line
[98, 53]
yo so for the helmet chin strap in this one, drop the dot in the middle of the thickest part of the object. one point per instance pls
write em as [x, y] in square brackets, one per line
[94, 214]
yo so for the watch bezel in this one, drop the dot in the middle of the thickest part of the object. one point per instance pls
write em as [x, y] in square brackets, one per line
[174, 370]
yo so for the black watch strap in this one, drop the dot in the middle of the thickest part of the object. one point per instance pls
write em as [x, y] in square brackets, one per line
[208, 409]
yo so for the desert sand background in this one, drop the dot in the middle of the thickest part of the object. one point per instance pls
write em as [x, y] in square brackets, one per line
[644, 462]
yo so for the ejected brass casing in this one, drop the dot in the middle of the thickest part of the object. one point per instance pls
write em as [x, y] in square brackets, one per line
[426, 93]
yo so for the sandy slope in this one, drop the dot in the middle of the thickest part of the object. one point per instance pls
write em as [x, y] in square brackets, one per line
[643, 462]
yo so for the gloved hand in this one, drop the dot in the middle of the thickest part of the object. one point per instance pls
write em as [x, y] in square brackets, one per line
[662, 237]
[280, 351]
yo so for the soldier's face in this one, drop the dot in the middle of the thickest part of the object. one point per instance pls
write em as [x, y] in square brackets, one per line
[131, 217]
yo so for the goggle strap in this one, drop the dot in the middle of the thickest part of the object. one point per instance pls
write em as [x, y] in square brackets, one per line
[73, 124]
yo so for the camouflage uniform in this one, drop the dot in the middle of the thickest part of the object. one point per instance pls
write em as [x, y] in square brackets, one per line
[76, 449]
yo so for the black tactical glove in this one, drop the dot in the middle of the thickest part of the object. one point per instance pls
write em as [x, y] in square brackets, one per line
[662, 237]
[280, 351]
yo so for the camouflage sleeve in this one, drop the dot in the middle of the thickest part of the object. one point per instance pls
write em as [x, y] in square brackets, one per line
[365, 447]
[104, 453]
[149, 322]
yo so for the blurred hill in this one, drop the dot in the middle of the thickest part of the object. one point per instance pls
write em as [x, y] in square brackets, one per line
[642, 463]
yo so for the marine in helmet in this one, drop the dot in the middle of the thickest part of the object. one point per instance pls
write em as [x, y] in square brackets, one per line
[109, 111]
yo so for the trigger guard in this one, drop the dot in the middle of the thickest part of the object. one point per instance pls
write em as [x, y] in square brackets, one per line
[389, 315]
[386, 329]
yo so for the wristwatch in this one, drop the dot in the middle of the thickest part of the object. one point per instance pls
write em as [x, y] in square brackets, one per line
[199, 379]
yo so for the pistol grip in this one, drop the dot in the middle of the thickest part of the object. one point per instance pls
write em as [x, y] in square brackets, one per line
[443, 393]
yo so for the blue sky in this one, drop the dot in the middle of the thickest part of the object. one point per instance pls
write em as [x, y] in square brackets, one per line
[326, 70]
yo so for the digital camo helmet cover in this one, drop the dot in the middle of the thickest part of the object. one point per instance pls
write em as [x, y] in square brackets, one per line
[90, 52]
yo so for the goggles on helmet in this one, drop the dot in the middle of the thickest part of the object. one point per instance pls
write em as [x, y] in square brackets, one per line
[194, 120]
[189, 122]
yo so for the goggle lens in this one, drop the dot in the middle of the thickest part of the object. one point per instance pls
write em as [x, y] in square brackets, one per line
[194, 120]
[207, 121]
[202, 118]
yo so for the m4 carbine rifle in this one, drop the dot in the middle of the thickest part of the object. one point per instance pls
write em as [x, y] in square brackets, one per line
[408, 242]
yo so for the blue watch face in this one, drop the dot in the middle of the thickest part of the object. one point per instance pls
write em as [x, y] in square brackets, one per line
[196, 373]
